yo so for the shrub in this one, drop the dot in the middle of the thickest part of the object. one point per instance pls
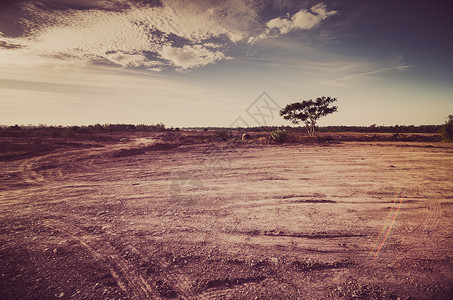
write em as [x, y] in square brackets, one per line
[278, 135]
[56, 132]
[246, 136]
[447, 130]
[223, 135]
[68, 133]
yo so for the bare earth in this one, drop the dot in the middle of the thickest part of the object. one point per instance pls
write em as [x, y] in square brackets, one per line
[223, 221]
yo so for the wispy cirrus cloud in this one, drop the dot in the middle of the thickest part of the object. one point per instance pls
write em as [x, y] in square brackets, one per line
[352, 76]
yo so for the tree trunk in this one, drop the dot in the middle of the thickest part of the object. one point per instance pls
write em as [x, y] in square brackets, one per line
[308, 129]
[312, 128]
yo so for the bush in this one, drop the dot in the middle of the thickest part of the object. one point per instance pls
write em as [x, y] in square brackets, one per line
[223, 135]
[447, 130]
[278, 135]
[56, 132]
[246, 136]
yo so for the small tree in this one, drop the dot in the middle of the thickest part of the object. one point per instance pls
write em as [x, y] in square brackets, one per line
[447, 129]
[278, 135]
[308, 112]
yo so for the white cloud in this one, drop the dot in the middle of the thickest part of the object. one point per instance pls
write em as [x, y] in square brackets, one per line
[91, 35]
[283, 25]
[131, 60]
[192, 20]
[177, 31]
[301, 20]
[212, 45]
[184, 34]
[190, 56]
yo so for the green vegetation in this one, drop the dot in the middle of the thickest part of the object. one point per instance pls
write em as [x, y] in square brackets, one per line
[364, 129]
[382, 129]
[447, 129]
[71, 131]
[309, 111]
[278, 135]
[126, 127]
[223, 135]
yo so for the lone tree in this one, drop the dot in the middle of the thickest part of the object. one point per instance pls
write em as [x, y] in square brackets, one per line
[308, 112]
[447, 129]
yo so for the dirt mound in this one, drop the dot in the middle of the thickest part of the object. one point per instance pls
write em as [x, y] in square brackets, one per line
[19, 148]
[141, 150]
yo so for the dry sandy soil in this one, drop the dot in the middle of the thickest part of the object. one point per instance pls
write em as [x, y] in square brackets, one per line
[141, 219]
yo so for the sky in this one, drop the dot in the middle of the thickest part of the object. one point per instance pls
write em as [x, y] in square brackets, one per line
[224, 62]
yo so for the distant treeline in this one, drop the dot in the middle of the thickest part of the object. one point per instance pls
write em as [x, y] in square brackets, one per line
[69, 131]
[369, 129]
[124, 127]
[383, 129]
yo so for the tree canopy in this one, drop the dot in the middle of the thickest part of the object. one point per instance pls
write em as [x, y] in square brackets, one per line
[309, 111]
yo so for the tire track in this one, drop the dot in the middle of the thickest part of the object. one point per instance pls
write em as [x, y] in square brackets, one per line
[433, 215]
[127, 264]
[29, 174]
[222, 290]
[57, 166]
[128, 278]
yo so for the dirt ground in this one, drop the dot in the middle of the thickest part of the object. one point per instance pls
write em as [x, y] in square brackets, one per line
[144, 219]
